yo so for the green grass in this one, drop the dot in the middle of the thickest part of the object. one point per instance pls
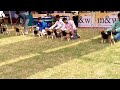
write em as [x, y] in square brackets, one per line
[27, 57]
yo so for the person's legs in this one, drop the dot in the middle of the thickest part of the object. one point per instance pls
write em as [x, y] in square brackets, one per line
[76, 35]
[72, 32]
[26, 26]
[117, 36]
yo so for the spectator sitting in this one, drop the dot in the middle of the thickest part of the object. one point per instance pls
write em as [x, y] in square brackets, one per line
[115, 29]
[57, 27]
[70, 29]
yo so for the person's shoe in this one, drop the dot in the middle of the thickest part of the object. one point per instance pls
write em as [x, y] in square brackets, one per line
[78, 35]
[26, 33]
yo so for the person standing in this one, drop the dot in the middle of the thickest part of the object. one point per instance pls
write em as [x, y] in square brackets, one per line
[30, 20]
[75, 19]
[25, 21]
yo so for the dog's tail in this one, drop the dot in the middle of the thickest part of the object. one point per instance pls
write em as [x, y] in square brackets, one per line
[112, 36]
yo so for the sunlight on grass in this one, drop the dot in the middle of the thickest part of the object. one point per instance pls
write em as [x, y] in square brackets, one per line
[14, 39]
[100, 64]
[66, 46]
[18, 59]
[37, 58]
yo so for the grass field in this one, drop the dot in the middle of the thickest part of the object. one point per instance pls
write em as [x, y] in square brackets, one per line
[27, 57]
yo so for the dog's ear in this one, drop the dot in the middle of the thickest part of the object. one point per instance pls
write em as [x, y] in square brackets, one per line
[102, 31]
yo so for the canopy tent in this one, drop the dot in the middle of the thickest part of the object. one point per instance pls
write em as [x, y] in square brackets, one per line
[2, 14]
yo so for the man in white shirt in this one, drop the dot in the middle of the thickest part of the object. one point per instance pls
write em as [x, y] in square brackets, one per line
[57, 27]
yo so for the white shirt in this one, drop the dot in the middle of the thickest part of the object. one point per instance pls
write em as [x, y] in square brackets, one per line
[58, 24]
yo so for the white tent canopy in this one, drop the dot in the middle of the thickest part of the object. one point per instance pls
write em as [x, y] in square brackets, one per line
[2, 14]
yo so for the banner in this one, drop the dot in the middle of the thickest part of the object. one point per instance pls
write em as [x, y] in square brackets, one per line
[86, 20]
[97, 19]
[105, 19]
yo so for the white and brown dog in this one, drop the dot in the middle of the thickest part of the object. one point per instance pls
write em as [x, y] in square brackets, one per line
[4, 29]
[36, 31]
[50, 33]
[107, 36]
[18, 30]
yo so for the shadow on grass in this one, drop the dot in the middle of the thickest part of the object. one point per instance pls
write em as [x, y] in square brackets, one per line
[12, 34]
[33, 45]
[30, 66]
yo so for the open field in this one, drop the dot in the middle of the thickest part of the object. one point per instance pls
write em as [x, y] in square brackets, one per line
[27, 57]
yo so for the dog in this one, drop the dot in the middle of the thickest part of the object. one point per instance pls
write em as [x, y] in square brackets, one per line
[18, 30]
[66, 35]
[36, 31]
[50, 33]
[4, 29]
[107, 36]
